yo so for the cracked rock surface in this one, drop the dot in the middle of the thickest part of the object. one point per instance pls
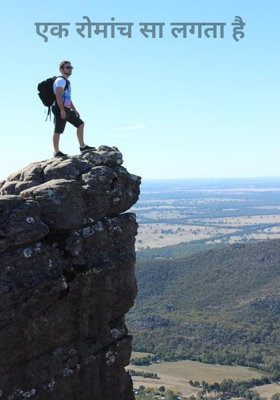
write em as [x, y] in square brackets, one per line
[67, 278]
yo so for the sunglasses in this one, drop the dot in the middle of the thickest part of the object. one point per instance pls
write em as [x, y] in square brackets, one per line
[68, 67]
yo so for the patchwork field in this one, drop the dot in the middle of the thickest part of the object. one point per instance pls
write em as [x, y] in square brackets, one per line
[163, 234]
[168, 215]
[233, 230]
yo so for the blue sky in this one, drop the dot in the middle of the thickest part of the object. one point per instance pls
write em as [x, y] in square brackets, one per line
[176, 108]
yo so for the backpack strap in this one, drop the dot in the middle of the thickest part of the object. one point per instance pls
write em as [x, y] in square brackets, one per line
[66, 87]
[67, 83]
[49, 114]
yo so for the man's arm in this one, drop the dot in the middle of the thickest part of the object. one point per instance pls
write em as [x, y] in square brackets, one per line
[59, 100]
[74, 109]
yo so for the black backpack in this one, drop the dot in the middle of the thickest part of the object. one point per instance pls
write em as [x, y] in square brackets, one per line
[46, 94]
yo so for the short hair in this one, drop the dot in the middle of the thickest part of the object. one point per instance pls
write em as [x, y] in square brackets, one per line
[61, 65]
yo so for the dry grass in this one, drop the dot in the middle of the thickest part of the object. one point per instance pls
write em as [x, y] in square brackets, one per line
[168, 382]
[268, 390]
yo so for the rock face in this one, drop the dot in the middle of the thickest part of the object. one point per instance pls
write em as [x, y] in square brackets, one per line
[67, 278]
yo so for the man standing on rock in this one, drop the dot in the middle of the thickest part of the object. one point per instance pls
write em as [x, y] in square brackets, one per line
[64, 110]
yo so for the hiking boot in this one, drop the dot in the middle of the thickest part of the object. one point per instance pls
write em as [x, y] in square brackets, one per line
[86, 148]
[60, 154]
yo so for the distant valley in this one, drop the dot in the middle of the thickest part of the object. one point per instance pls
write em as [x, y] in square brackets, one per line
[216, 211]
[213, 296]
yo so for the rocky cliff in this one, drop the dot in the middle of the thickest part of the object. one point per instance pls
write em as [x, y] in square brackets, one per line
[67, 278]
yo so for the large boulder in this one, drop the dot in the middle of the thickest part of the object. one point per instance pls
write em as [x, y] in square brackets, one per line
[75, 191]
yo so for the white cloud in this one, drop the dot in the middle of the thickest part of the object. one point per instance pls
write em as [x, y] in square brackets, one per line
[130, 128]
[120, 136]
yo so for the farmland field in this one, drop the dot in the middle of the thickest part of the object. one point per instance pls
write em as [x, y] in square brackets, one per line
[176, 375]
[196, 371]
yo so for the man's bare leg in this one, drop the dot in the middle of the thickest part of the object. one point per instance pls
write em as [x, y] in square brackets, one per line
[56, 137]
[80, 135]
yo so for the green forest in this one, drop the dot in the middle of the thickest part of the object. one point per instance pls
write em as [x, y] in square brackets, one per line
[216, 306]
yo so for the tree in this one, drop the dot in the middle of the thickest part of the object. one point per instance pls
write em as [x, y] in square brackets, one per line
[214, 387]
[205, 386]
[169, 395]
[251, 395]
[227, 385]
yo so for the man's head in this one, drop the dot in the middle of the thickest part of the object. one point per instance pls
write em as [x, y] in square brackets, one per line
[65, 68]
